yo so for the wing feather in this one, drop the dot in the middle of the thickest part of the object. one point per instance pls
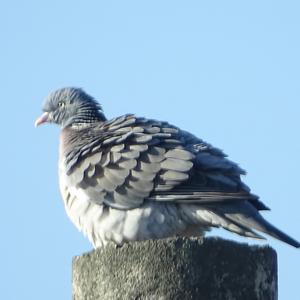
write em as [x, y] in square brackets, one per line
[129, 160]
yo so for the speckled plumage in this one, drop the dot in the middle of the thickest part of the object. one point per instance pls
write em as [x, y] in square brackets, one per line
[131, 178]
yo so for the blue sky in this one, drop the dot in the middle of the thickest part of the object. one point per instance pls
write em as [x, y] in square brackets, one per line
[228, 71]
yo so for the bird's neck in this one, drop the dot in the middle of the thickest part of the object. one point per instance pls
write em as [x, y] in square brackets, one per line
[85, 120]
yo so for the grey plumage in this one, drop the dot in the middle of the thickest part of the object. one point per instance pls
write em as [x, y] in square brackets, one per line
[131, 178]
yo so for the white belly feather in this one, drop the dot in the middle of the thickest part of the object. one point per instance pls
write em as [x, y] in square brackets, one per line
[102, 224]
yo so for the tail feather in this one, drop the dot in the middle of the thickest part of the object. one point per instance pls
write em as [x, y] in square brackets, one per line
[240, 229]
[260, 224]
[248, 218]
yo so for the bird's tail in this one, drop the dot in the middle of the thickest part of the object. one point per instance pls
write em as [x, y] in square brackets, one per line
[247, 218]
[242, 218]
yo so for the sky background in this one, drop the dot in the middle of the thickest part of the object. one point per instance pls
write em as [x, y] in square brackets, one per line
[227, 71]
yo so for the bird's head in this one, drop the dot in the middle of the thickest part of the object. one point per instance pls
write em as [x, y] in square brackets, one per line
[70, 106]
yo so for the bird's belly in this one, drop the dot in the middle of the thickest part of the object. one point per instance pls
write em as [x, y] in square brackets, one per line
[102, 224]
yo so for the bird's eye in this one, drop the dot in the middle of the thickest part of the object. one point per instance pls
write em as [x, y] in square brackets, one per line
[61, 104]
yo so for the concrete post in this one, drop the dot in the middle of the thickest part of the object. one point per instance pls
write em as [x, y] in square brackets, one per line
[177, 268]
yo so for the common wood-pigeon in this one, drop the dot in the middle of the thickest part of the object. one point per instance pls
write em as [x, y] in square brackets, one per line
[132, 179]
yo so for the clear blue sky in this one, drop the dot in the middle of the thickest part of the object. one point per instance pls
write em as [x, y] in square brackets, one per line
[228, 71]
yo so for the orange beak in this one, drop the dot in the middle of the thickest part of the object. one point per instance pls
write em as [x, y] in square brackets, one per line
[42, 119]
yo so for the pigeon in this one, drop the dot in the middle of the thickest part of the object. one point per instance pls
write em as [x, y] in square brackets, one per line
[133, 179]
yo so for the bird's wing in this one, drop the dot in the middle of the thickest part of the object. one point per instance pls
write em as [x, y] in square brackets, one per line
[129, 160]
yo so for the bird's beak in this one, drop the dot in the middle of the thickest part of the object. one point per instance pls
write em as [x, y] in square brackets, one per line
[42, 119]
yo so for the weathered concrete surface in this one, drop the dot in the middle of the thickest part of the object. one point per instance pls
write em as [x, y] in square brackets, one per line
[177, 269]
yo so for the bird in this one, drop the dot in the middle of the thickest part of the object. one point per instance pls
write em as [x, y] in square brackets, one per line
[133, 179]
